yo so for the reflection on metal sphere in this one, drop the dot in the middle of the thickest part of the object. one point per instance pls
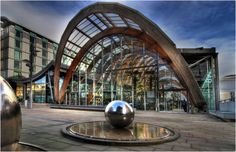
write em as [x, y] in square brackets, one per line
[119, 114]
[10, 117]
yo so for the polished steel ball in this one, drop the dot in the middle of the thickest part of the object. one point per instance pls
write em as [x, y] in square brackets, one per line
[10, 117]
[119, 114]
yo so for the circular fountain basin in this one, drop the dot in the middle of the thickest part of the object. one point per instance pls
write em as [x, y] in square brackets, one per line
[137, 133]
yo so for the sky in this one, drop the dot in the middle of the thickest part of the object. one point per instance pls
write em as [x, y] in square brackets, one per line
[189, 24]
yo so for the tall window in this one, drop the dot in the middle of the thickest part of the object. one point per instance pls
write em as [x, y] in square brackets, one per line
[44, 62]
[4, 42]
[4, 64]
[17, 43]
[17, 55]
[17, 65]
[18, 33]
[32, 50]
[4, 54]
[18, 37]
[44, 49]
[55, 46]
[4, 74]
[18, 51]
[44, 52]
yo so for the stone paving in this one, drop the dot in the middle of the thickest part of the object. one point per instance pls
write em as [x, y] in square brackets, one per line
[198, 132]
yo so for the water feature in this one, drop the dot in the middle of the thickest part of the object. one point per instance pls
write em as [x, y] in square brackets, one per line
[119, 128]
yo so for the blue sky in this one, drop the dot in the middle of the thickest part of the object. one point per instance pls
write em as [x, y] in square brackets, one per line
[187, 23]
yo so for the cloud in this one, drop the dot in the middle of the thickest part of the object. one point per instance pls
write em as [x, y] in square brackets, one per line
[42, 20]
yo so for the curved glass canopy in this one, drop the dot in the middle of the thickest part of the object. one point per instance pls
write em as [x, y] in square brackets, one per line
[112, 47]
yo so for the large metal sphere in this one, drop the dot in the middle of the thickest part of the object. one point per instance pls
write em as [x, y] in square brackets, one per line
[10, 117]
[119, 114]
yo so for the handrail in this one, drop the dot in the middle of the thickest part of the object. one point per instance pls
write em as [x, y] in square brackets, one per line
[227, 100]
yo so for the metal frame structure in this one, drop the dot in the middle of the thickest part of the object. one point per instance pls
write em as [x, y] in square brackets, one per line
[102, 20]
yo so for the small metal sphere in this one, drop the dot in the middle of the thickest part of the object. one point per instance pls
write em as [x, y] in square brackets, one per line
[10, 117]
[119, 114]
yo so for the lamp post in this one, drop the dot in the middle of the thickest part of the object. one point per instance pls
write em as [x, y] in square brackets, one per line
[29, 63]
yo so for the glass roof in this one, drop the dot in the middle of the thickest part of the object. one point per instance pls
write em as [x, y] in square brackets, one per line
[91, 26]
[121, 49]
[115, 52]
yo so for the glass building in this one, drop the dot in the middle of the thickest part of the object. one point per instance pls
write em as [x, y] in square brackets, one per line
[118, 54]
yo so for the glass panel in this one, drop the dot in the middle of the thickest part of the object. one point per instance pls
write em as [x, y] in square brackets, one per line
[17, 65]
[17, 43]
[44, 44]
[17, 55]
[18, 34]
[104, 20]
[44, 61]
[207, 86]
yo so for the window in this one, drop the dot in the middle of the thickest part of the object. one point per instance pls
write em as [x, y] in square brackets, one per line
[17, 55]
[4, 74]
[17, 65]
[4, 54]
[4, 32]
[32, 39]
[44, 44]
[17, 43]
[44, 53]
[44, 62]
[16, 73]
[32, 42]
[4, 64]
[44, 50]
[18, 34]
[4, 43]
[54, 49]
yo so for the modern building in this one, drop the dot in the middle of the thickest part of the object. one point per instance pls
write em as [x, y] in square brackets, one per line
[111, 52]
[116, 53]
[18, 43]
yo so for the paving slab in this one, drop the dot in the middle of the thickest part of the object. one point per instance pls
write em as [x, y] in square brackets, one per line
[42, 126]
